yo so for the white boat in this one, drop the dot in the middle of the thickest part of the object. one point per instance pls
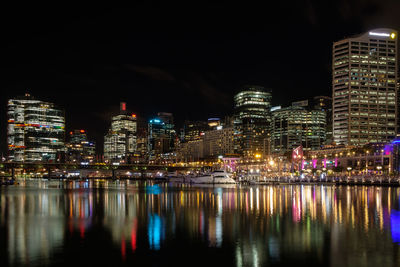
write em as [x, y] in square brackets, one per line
[216, 177]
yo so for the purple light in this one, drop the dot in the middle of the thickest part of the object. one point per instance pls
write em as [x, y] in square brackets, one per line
[389, 148]
[314, 163]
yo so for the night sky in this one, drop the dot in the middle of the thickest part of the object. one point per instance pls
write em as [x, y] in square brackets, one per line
[185, 59]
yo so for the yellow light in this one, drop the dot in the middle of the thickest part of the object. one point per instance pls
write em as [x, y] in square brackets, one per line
[258, 155]
[392, 35]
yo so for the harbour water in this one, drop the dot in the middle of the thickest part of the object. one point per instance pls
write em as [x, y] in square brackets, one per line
[112, 223]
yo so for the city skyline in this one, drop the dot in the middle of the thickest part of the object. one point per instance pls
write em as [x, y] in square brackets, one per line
[200, 134]
[210, 62]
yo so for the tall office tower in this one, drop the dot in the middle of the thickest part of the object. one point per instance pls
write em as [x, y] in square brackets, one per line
[294, 126]
[79, 148]
[365, 69]
[324, 103]
[120, 141]
[35, 130]
[158, 139]
[169, 127]
[252, 121]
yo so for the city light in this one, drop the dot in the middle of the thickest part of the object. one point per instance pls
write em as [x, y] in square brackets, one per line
[383, 34]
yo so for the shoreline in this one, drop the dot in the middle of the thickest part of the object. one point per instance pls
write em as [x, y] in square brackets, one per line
[394, 183]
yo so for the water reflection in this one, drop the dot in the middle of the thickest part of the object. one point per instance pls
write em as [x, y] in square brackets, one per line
[250, 226]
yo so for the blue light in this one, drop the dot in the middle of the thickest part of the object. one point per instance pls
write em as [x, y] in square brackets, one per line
[395, 226]
[155, 189]
[154, 232]
[158, 121]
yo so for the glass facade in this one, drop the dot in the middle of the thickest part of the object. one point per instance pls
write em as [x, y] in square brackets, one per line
[294, 126]
[169, 126]
[120, 142]
[252, 121]
[365, 72]
[35, 130]
[158, 140]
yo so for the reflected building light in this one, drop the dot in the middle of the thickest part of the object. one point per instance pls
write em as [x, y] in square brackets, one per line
[123, 249]
[251, 199]
[239, 258]
[395, 226]
[255, 255]
[218, 231]
[154, 232]
[133, 235]
[271, 201]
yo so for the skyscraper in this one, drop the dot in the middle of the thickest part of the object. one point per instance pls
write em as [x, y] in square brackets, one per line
[365, 69]
[252, 120]
[169, 127]
[158, 139]
[35, 131]
[120, 141]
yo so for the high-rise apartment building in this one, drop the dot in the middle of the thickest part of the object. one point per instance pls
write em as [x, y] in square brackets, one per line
[252, 121]
[35, 130]
[365, 71]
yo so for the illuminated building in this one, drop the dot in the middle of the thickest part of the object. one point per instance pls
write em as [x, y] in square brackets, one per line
[219, 142]
[120, 141]
[35, 130]
[194, 130]
[168, 120]
[141, 155]
[191, 151]
[252, 121]
[79, 149]
[158, 140]
[211, 145]
[294, 126]
[213, 122]
[324, 103]
[365, 70]
[372, 158]
[162, 138]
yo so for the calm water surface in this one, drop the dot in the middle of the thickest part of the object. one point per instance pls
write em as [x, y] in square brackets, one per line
[52, 223]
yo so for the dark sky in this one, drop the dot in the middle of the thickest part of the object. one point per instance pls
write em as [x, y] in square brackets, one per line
[185, 59]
